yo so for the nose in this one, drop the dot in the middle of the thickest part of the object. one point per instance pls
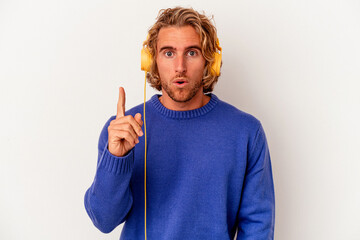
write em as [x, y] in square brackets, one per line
[180, 64]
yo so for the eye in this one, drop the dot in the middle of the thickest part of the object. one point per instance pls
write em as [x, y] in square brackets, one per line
[192, 53]
[169, 54]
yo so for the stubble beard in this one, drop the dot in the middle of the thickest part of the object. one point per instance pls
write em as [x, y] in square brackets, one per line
[182, 96]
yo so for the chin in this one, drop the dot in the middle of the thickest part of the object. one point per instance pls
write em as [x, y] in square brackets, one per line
[182, 95]
[181, 98]
[189, 95]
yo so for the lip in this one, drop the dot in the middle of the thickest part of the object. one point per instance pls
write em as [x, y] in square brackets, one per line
[180, 82]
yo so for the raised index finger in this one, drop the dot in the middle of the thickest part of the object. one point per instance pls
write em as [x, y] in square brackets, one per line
[121, 103]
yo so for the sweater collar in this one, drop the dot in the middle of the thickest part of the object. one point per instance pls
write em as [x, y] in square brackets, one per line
[184, 114]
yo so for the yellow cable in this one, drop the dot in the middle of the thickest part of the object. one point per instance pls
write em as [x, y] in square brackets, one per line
[145, 156]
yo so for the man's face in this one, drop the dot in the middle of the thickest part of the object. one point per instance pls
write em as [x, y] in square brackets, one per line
[180, 62]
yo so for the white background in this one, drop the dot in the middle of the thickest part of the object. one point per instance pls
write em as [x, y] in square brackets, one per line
[295, 65]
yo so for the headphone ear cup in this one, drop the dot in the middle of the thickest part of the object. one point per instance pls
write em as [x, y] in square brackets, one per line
[146, 59]
[215, 68]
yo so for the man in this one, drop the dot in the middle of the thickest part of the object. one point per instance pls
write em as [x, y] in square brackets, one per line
[208, 165]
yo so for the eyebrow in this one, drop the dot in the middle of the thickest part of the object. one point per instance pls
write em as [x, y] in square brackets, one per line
[172, 48]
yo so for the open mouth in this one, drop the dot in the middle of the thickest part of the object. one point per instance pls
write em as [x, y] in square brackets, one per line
[180, 82]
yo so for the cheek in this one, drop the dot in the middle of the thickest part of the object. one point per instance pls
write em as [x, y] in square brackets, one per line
[162, 66]
[159, 67]
[197, 68]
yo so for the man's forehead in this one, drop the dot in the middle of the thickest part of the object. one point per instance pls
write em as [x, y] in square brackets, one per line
[178, 36]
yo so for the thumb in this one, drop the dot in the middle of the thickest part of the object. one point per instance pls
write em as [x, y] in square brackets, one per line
[138, 119]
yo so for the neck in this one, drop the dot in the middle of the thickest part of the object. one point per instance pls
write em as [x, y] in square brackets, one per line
[198, 101]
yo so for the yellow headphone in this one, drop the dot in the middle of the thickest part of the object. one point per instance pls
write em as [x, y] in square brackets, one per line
[146, 60]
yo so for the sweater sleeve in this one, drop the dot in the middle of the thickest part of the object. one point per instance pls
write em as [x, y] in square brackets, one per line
[256, 218]
[109, 198]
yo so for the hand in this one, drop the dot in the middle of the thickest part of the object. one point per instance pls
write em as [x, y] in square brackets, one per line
[124, 131]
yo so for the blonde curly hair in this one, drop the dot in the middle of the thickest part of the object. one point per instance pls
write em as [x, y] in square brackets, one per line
[180, 17]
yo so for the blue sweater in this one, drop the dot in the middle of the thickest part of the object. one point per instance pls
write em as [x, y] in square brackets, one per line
[208, 176]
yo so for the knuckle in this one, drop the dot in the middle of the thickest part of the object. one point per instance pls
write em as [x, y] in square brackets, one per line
[113, 122]
[127, 126]
[127, 135]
